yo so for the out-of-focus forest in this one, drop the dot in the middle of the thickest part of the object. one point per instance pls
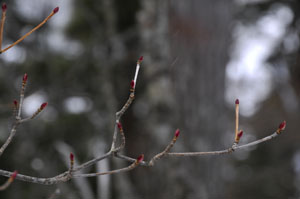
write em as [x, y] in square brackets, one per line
[199, 56]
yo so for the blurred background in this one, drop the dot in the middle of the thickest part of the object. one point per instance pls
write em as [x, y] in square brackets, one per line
[199, 56]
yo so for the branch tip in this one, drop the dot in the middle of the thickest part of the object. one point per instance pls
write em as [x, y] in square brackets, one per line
[177, 132]
[25, 77]
[141, 59]
[55, 10]
[237, 101]
[4, 7]
[140, 158]
[71, 157]
[132, 84]
[15, 103]
[281, 127]
[43, 105]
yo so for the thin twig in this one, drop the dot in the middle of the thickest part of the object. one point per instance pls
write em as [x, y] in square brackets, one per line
[130, 167]
[167, 149]
[92, 162]
[63, 177]
[120, 113]
[226, 151]
[2, 23]
[9, 139]
[31, 31]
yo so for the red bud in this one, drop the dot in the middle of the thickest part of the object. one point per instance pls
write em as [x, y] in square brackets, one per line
[71, 157]
[44, 105]
[132, 83]
[240, 134]
[177, 132]
[141, 59]
[282, 126]
[140, 158]
[55, 10]
[15, 103]
[4, 7]
[14, 175]
[25, 77]
[237, 101]
[119, 125]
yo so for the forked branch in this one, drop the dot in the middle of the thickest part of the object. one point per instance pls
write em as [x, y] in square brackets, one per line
[115, 150]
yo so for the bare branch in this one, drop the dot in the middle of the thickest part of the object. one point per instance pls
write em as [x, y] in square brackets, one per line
[130, 167]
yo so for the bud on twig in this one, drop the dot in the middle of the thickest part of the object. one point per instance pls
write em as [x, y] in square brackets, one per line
[140, 59]
[120, 127]
[132, 84]
[140, 159]
[42, 107]
[238, 137]
[71, 158]
[177, 132]
[4, 7]
[237, 101]
[281, 127]
[13, 176]
[25, 77]
[55, 10]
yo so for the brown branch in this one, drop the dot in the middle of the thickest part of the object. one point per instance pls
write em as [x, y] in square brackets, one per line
[3, 16]
[55, 10]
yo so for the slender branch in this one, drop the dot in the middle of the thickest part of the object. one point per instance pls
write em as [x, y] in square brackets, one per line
[167, 149]
[206, 153]
[18, 116]
[92, 162]
[44, 181]
[31, 31]
[4, 7]
[130, 167]
[9, 139]
[225, 151]
[120, 113]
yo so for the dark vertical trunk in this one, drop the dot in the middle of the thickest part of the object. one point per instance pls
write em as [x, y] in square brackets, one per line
[197, 36]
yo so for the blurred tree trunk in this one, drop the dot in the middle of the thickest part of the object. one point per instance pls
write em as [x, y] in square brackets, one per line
[190, 41]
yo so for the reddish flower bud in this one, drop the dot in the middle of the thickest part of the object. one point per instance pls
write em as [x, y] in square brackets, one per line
[282, 126]
[240, 134]
[15, 103]
[4, 7]
[237, 101]
[14, 175]
[25, 77]
[55, 10]
[119, 125]
[177, 132]
[71, 157]
[43, 105]
[132, 84]
[141, 59]
[140, 158]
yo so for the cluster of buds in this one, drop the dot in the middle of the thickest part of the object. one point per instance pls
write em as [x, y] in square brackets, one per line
[4, 9]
